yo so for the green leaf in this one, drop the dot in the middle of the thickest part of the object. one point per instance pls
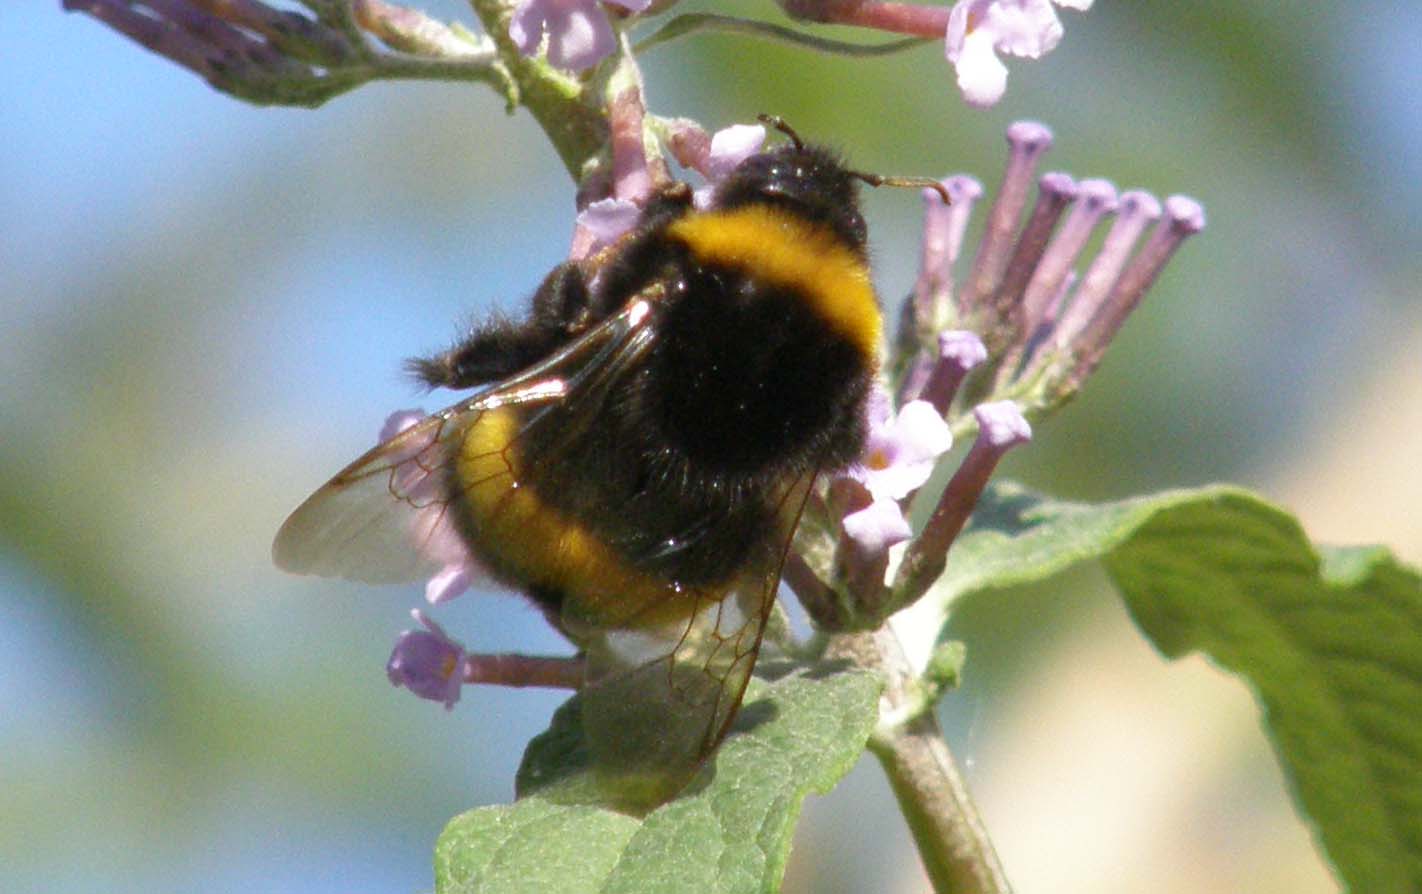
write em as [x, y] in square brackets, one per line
[729, 832]
[1016, 537]
[1332, 646]
[1330, 641]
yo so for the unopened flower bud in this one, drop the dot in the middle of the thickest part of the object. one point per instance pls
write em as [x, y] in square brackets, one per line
[1136, 210]
[877, 526]
[958, 352]
[1095, 200]
[1184, 217]
[1055, 191]
[943, 228]
[1001, 427]
[1027, 141]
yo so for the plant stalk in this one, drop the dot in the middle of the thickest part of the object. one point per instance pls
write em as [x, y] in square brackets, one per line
[951, 839]
[568, 113]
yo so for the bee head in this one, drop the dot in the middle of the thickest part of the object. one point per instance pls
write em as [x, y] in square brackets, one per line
[807, 181]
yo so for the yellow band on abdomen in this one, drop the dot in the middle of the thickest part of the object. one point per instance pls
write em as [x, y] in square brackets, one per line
[537, 545]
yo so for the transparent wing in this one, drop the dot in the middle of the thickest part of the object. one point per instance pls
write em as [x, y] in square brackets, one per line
[385, 518]
[660, 697]
[667, 666]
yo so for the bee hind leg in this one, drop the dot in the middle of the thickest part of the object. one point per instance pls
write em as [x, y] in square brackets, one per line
[500, 347]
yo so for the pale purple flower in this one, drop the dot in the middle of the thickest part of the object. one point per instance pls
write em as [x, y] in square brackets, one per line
[1049, 321]
[732, 145]
[451, 581]
[1136, 210]
[602, 223]
[877, 526]
[431, 532]
[943, 228]
[980, 29]
[399, 421]
[428, 662]
[579, 34]
[1183, 218]
[1001, 426]
[959, 352]
[901, 449]
[729, 147]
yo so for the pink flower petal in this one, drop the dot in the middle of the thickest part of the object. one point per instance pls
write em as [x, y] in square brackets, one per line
[431, 530]
[729, 147]
[397, 422]
[877, 526]
[901, 450]
[428, 662]
[732, 145]
[606, 220]
[922, 433]
[980, 29]
[526, 26]
[450, 582]
[1027, 28]
[878, 409]
[579, 35]
[981, 75]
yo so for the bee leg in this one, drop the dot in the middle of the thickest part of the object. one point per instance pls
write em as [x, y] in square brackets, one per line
[500, 347]
[561, 306]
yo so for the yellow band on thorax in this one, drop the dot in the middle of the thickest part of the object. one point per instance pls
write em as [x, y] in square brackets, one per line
[794, 253]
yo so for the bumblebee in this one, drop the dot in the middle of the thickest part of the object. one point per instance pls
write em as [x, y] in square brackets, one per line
[640, 450]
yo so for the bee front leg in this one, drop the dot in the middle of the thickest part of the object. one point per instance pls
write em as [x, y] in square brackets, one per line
[561, 306]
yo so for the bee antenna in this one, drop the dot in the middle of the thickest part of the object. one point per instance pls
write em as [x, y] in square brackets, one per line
[924, 182]
[779, 124]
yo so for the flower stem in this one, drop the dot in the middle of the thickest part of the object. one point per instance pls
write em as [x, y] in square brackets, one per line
[951, 839]
[900, 18]
[690, 23]
[568, 112]
[509, 669]
[271, 56]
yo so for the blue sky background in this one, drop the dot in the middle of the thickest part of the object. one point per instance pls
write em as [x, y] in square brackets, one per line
[204, 306]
